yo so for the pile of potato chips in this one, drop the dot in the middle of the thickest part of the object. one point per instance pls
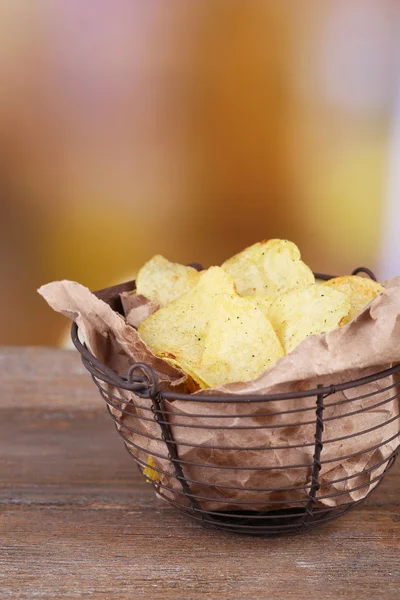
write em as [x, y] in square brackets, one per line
[231, 323]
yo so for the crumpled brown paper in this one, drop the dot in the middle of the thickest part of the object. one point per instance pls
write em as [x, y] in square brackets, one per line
[137, 307]
[251, 450]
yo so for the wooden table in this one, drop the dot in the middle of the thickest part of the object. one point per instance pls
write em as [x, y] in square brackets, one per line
[77, 521]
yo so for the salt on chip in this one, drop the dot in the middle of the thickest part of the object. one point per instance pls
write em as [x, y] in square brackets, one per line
[298, 314]
[359, 290]
[262, 302]
[240, 344]
[177, 331]
[269, 268]
[213, 333]
[163, 281]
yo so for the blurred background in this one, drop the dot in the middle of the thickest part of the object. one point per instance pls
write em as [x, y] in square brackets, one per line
[191, 129]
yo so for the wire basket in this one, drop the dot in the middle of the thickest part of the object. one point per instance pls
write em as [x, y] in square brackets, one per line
[311, 503]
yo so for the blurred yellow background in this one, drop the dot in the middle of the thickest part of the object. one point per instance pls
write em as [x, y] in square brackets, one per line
[191, 129]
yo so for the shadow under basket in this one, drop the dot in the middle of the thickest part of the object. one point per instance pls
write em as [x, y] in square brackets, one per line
[310, 510]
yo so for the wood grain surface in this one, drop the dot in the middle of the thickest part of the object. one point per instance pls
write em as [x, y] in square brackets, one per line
[77, 521]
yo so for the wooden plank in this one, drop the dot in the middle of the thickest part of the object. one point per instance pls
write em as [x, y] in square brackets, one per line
[43, 378]
[150, 552]
[77, 520]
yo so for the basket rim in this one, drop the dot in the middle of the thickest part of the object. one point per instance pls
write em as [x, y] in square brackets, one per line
[140, 385]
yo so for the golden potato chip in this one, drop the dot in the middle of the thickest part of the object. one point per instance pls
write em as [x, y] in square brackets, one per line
[359, 290]
[298, 314]
[149, 472]
[179, 328]
[212, 333]
[163, 281]
[268, 268]
[184, 366]
[240, 344]
[262, 302]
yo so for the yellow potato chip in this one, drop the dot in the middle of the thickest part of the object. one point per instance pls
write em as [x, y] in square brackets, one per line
[240, 344]
[269, 268]
[298, 314]
[262, 302]
[184, 366]
[359, 290]
[163, 281]
[212, 333]
[149, 472]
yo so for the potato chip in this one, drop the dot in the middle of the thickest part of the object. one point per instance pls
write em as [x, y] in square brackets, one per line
[240, 344]
[262, 302]
[163, 281]
[268, 268]
[359, 290]
[298, 314]
[212, 333]
[186, 368]
[149, 472]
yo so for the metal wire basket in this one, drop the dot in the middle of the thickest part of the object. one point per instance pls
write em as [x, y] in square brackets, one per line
[313, 503]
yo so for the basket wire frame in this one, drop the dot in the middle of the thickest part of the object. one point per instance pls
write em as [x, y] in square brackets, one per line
[305, 512]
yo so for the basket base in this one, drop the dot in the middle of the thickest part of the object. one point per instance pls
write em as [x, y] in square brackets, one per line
[271, 523]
